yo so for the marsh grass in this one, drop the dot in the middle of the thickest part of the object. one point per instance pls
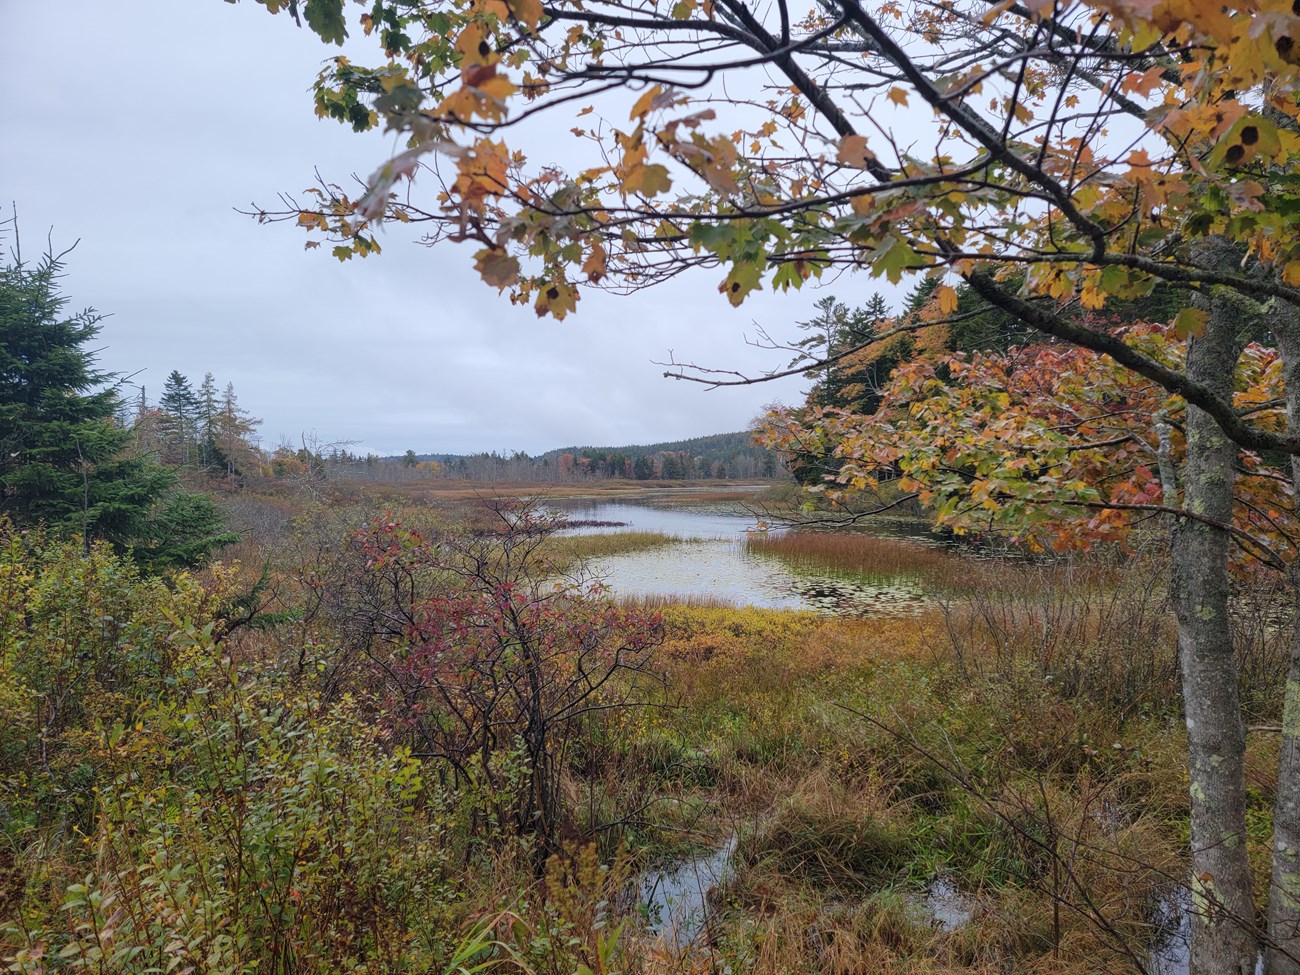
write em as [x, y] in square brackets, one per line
[653, 601]
[574, 549]
[857, 760]
[863, 556]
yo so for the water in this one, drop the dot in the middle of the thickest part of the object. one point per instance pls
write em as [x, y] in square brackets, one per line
[712, 563]
[676, 898]
[1171, 948]
[948, 907]
[696, 521]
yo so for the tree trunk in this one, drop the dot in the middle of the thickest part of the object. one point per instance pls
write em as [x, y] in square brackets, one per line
[1283, 950]
[1223, 939]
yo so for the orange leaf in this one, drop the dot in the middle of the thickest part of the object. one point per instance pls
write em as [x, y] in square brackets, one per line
[854, 152]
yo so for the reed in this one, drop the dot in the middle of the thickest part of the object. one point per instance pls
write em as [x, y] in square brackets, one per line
[579, 548]
[858, 555]
[665, 601]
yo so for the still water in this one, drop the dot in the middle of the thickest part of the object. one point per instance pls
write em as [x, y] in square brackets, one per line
[711, 563]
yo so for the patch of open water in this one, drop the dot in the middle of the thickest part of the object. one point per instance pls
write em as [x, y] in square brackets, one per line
[676, 897]
[712, 563]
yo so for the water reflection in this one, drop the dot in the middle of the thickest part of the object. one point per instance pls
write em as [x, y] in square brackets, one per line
[696, 521]
[713, 564]
[676, 898]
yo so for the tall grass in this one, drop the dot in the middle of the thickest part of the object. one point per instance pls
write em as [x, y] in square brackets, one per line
[1097, 633]
[666, 600]
[576, 548]
[859, 555]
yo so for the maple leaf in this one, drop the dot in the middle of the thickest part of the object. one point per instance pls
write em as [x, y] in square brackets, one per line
[743, 279]
[854, 152]
[556, 297]
[496, 267]
[1189, 322]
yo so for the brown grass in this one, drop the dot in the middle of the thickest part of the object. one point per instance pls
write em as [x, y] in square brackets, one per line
[860, 555]
[664, 601]
[577, 548]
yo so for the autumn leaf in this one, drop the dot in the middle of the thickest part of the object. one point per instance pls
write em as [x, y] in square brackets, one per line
[594, 266]
[854, 152]
[527, 12]
[898, 96]
[1189, 322]
[474, 47]
[654, 97]
[556, 298]
[743, 279]
[496, 267]
[946, 296]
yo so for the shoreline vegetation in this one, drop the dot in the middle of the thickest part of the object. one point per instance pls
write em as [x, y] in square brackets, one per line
[267, 765]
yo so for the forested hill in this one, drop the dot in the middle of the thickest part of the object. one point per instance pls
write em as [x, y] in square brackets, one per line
[721, 455]
[716, 447]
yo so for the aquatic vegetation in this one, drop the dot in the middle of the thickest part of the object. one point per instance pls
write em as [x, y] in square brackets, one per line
[858, 555]
[575, 549]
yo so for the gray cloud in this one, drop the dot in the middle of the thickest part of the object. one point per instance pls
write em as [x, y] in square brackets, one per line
[139, 127]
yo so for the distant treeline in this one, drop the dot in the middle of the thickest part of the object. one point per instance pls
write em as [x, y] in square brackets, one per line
[723, 455]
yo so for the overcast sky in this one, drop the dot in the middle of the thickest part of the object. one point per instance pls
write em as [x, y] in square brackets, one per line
[139, 126]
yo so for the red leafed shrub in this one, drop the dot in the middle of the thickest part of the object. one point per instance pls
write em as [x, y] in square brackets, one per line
[494, 659]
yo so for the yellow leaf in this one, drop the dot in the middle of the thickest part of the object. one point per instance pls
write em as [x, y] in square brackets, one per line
[556, 298]
[1091, 297]
[646, 102]
[997, 11]
[474, 47]
[898, 96]
[527, 12]
[498, 87]
[946, 295]
[1189, 321]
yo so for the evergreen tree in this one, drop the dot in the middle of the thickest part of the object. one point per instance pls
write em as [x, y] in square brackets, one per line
[208, 405]
[64, 461]
[180, 408]
[233, 430]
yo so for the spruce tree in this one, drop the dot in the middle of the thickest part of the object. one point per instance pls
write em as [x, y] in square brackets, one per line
[64, 461]
[180, 407]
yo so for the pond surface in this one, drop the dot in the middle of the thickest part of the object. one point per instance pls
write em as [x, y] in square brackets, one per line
[702, 521]
[711, 563]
